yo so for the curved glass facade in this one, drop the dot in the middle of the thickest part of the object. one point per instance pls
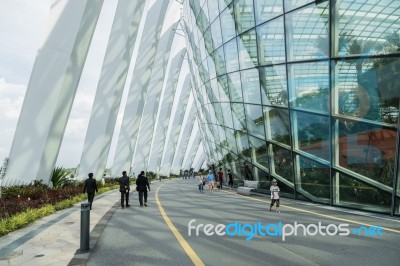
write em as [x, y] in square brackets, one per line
[303, 91]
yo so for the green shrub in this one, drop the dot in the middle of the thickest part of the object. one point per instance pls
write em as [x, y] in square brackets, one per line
[59, 177]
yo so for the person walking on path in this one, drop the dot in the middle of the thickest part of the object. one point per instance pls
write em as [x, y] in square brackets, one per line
[124, 188]
[220, 178]
[230, 179]
[274, 195]
[90, 187]
[200, 182]
[142, 183]
[210, 180]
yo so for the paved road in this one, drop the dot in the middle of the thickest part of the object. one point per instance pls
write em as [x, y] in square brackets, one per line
[140, 236]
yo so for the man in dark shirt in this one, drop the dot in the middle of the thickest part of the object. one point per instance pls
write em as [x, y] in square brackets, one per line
[142, 183]
[90, 187]
[124, 188]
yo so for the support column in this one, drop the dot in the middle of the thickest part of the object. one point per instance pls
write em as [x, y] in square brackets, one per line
[127, 139]
[110, 88]
[51, 91]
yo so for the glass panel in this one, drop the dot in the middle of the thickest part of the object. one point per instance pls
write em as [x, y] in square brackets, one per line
[235, 87]
[223, 88]
[367, 27]
[309, 85]
[314, 178]
[278, 124]
[211, 67]
[274, 85]
[219, 60]
[213, 9]
[271, 42]
[353, 193]
[367, 150]
[243, 145]
[248, 50]
[251, 86]
[312, 132]
[228, 24]
[216, 33]
[255, 120]
[231, 56]
[244, 15]
[282, 163]
[307, 31]
[227, 114]
[292, 4]
[238, 117]
[369, 89]
[260, 152]
[231, 141]
[267, 9]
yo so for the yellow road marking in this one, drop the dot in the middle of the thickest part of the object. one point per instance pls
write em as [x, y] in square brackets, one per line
[185, 245]
[319, 214]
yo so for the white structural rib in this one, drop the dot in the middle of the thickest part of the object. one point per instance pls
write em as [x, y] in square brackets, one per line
[110, 87]
[149, 114]
[165, 110]
[184, 135]
[174, 128]
[139, 85]
[51, 91]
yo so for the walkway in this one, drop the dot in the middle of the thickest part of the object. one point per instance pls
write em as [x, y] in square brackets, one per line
[146, 236]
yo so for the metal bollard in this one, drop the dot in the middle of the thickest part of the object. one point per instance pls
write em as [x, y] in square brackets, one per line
[85, 226]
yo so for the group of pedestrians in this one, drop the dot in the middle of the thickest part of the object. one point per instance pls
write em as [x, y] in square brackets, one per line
[142, 184]
[210, 180]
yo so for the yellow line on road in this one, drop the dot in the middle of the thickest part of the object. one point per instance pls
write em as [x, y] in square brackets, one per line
[185, 245]
[319, 214]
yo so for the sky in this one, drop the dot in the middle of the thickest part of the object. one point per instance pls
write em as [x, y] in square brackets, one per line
[22, 27]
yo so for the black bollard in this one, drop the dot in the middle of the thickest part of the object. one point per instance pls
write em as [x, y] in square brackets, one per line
[85, 226]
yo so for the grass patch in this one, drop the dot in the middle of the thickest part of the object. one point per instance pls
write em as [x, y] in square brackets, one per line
[30, 215]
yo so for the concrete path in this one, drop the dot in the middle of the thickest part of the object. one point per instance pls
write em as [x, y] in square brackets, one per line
[158, 234]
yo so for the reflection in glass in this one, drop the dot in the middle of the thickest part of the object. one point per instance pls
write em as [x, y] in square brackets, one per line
[244, 15]
[219, 60]
[282, 163]
[267, 9]
[309, 86]
[369, 89]
[255, 120]
[227, 114]
[216, 33]
[235, 87]
[292, 4]
[248, 49]
[228, 24]
[274, 85]
[231, 141]
[307, 32]
[277, 124]
[223, 88]
[231, 56]
[251, 86]
[239, 121]
[351, 192]
[367, 27]
[314, 178]
[368, 150]
[271, 42]
[312, 132]
[260, 152]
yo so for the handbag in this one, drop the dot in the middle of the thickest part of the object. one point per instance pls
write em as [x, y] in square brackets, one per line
[204, 183]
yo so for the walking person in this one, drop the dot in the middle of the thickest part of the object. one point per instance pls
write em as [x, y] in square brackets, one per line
[210, 180]
[200, 182]
[274, 195]
[124, 188]
[90, 187]
[220, 178]
[142, 183]
[230, 180]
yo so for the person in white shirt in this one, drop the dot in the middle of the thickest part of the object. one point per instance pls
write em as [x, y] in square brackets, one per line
[200, 182]
[274, 195]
